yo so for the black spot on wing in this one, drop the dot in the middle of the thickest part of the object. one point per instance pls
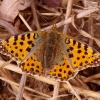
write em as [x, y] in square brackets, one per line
[79, 45]
[7, 44]
[59, 75]
[29, 42]
[28, 36]
[15, 38]
[22, 55]
[16, 47]
[81, 64]
[69, 72]
[55, 70]
[67, 66]
[16, 54]
[37, 71]
[86, 61]
[12, 51]
[83, 56]
[71, 55]
[37, 66]
[60, 70]
[78, 58]
[23, 37]
[71, 48]
[85, 47]
[21, 43]
[32, 64]
[64, 71]
[68, 50]
[20, 50]
[79, 51]
[74, 42]
[85, 53]
[15, 43]
[28, 64]
[28, 49]
[32, 45]
[63, 64]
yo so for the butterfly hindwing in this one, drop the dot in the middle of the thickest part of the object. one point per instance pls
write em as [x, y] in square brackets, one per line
[62, 70]
[32, 65]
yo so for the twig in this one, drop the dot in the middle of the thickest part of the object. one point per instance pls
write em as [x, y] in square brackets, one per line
[56, 90]
[21, 86]
[68, 14]
[73, 91]
[80, 15]
[24, 21]
[35, 15]
[91, 29]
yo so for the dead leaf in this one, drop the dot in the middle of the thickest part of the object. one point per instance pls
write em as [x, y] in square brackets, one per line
[9, 9]
[10, 28]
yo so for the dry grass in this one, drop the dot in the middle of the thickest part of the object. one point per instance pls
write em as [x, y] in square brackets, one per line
[16, 85]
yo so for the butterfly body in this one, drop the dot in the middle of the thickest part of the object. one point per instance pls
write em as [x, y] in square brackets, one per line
[50, 54]
[50, 50]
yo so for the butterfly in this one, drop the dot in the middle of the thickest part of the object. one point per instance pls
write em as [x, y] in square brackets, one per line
[50, 54]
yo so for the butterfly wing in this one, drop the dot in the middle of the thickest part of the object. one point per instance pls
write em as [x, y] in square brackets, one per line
[20, 47]
[80, 55]
[70, 55]
[74, 56]
[61, 70]
[33, 64]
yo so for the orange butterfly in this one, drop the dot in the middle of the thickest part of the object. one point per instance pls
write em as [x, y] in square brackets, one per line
[50, 54]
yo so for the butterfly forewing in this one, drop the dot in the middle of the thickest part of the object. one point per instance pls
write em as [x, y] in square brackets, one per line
[34, 64]
[19, 46]
[80, 54]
